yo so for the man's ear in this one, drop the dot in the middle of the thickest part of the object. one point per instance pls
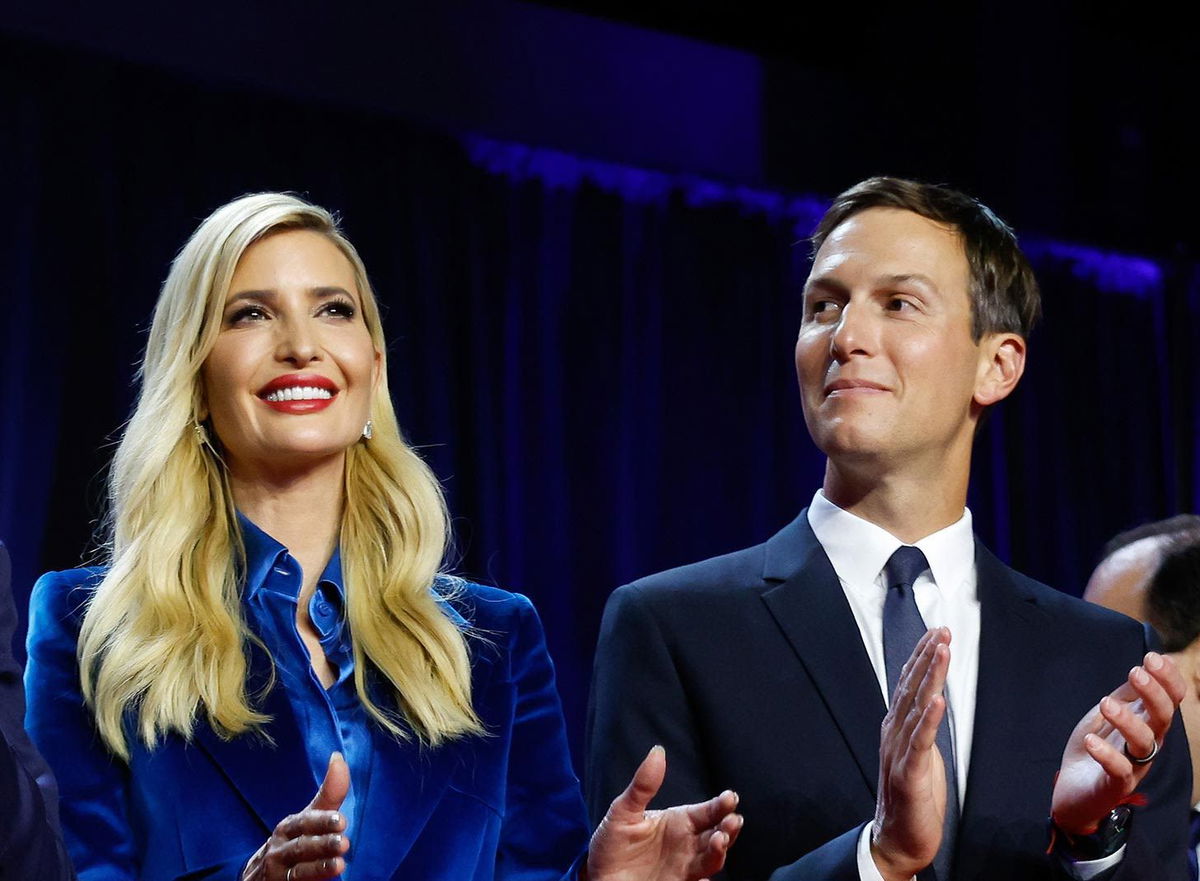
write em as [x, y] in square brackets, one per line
[1001, 363]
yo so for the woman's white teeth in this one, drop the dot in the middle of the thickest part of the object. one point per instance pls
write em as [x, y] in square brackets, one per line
[301, 393]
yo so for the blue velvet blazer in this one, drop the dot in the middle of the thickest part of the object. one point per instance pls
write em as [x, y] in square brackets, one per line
[502, 806]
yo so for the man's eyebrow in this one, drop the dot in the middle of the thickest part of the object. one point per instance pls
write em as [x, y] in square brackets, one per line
[826, 284]
[907, 277]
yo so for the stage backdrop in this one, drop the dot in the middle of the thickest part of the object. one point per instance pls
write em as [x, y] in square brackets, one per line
[595, 359]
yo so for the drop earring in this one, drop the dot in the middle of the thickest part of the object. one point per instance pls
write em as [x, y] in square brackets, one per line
[203, 438]
[368, 431]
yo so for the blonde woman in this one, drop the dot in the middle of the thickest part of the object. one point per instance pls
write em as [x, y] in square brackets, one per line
[272, 621]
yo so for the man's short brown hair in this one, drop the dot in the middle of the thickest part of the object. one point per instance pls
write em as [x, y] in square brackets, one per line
[1004, 293]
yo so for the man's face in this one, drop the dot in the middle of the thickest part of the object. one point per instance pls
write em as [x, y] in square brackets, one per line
[885, 360]
[1120, 581]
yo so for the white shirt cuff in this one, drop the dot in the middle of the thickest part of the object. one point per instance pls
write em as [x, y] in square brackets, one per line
[1089, 869]
[867, 870]
[1084, 871]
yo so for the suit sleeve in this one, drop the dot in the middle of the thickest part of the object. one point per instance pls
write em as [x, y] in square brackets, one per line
[92, 782]
[30, 845]
[639, 700]
[1156, 850]
[544, 829]
[836, 860]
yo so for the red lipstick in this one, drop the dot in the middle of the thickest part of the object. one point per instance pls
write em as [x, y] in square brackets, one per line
[298, 393]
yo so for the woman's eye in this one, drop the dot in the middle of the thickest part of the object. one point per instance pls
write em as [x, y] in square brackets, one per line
[247, 313]
[339, 309]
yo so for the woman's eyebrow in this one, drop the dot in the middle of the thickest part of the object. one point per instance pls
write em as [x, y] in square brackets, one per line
[326, 291]
[267, 295]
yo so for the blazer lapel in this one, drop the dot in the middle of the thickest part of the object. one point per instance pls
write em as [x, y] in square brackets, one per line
[1011, 649]
[405, 786]
[807, 602]
[270, 771]
[407, 783]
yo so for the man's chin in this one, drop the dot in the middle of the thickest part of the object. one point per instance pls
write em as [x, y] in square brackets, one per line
[854, 443]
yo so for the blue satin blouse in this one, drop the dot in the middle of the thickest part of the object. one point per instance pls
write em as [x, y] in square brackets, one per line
[333, 719]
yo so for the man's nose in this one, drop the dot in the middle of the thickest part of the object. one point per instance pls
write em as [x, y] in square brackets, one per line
[853, 334]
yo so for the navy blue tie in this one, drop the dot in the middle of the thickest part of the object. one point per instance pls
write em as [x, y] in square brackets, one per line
[903, 628]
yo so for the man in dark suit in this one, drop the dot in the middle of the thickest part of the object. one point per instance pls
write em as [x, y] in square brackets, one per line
[30, 846]
[1152, 573]
[777, 670]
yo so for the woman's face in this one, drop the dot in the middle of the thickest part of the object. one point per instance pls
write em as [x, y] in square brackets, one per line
[288, 383]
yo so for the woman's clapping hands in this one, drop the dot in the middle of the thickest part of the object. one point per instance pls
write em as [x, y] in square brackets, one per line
[309, 845]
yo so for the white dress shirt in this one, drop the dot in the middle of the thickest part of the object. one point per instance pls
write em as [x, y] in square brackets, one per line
[946, 596]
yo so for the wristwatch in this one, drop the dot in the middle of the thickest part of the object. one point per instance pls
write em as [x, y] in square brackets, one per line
[1108, 838]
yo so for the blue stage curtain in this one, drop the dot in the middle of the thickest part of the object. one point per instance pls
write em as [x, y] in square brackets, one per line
[595, 359]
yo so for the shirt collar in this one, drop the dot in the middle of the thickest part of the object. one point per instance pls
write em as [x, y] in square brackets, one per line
[264, 552]
[858, 549]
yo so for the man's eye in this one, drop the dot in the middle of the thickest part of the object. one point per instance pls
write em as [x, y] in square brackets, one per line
[900, 304]
[823, 307]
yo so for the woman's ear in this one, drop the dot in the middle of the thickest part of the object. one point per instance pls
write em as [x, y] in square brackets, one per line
[200, 412]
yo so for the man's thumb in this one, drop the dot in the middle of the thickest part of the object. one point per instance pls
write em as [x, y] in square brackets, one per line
[630, 805]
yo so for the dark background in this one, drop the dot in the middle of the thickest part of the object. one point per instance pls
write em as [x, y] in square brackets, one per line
[582, 220]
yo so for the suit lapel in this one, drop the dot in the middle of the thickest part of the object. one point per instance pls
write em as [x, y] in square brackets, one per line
[807, 602]
[1011, 649]
[270, 771]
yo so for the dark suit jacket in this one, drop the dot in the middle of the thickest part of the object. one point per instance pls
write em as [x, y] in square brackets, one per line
[750, 669]
[503, 806]
[30, 846]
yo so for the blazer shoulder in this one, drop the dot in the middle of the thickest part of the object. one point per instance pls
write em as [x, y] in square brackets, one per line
[1075, 615]
[1092, 618]
[482, 607]
[782, 556]
[722, 574]
[499, 623]
[64, 594]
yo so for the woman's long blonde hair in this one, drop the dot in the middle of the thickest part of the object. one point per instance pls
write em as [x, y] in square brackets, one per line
[163, 637]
